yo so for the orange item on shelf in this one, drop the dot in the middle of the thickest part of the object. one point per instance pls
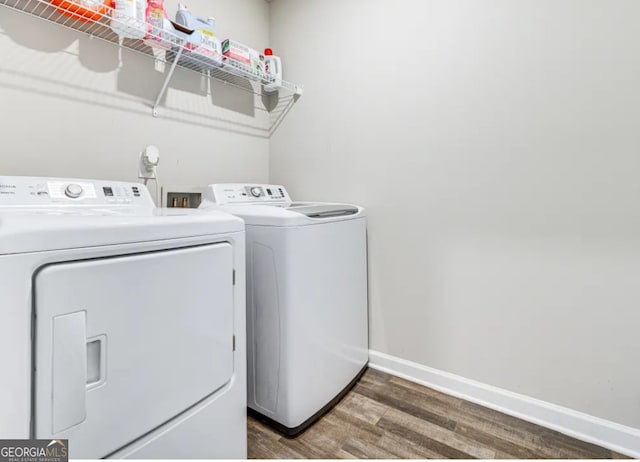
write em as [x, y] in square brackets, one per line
[83, 10]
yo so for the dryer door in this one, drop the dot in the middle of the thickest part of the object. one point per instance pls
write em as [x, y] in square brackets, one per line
[124, 344]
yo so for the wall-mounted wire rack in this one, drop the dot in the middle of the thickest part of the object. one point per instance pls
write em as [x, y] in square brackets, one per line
[170, 50]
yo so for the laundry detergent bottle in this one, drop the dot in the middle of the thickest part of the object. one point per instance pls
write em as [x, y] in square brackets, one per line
[128, 18]
[273, 71]
[158, 25]
[202, 47]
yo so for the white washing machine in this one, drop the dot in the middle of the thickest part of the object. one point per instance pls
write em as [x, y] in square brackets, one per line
[307, 325]
[123, 325]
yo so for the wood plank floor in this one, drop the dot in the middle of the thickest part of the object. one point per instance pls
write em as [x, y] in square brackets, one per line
[385, 417]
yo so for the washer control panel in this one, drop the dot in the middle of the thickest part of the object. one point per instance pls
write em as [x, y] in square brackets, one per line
[26, 191]
[224, 194]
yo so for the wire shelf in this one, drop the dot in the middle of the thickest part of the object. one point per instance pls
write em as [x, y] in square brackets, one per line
[168, 47]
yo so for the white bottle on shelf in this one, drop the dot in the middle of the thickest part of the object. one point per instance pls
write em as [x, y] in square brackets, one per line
[202, 48]
[273, 71]
[127, 18]
[141, 11]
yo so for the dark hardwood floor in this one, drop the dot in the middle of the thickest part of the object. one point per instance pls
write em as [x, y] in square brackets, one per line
[385, 417]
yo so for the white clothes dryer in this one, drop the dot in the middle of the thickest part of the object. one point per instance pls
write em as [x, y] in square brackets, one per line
[123, 325]
[307, 320]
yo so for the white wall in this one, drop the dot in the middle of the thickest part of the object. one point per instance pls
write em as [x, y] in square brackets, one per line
[496, 145]
[72, 106]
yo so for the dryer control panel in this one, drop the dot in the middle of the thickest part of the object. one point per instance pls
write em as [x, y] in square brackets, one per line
[35, 191]
[226, 194]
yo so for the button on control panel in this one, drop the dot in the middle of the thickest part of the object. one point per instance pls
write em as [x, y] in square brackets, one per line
[73, 191]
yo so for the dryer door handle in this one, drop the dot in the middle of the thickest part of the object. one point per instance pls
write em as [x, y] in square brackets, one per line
[69, 370]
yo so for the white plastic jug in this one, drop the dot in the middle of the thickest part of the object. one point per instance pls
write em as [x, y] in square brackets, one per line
[127, 18]
[273, 71]
[202, 47]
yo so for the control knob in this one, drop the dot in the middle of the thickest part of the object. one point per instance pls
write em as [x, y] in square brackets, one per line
[73, 191]
[255, 191]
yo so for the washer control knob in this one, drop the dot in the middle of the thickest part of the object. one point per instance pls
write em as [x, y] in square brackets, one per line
[73, 191]
[255, 191]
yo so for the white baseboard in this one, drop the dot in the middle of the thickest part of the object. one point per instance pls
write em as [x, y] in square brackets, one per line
[585, 427]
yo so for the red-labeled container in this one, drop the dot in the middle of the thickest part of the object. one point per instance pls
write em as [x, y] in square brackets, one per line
[83, 10]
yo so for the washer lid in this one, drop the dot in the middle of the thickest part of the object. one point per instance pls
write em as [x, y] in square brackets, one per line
[294, 214]
[24, 231]
[323, 210]
[271, 205]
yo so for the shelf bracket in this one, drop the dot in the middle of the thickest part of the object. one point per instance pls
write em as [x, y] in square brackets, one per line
[166, 80]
